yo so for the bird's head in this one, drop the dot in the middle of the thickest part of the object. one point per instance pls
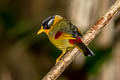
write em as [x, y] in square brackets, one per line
[48, 23]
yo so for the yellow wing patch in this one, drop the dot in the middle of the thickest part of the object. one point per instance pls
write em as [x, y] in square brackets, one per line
[66, 36]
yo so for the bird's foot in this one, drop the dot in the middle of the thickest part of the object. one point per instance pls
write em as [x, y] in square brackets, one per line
[58, 60]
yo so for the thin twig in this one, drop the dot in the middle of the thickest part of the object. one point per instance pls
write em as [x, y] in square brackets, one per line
[55, 72]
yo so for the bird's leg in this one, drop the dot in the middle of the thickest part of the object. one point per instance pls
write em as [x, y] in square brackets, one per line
[59, 58]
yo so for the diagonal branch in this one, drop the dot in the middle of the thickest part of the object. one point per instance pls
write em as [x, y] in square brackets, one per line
[55, 72]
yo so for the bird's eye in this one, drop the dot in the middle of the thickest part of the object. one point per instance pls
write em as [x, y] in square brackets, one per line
[50, 22]
[45, 26]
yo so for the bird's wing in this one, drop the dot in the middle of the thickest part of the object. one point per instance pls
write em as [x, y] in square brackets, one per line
[62, 35]
[67, 31]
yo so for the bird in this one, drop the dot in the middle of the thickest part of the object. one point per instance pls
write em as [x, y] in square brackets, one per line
[63, 35]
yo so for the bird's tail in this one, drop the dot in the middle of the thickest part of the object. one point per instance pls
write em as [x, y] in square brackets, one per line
[82, 47]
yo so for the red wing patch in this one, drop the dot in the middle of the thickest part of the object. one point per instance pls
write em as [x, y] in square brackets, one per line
[58, 34]
[77, 40]
[72, 41]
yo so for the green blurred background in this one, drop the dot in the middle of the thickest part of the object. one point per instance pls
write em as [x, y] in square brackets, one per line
[27, 56]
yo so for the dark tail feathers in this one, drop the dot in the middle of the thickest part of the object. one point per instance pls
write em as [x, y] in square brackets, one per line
[85, 49]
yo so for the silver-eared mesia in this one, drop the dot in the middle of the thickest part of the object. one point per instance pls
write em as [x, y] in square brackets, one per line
[64, 35]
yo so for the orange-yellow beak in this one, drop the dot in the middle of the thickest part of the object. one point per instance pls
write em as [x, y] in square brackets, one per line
[43, 30]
